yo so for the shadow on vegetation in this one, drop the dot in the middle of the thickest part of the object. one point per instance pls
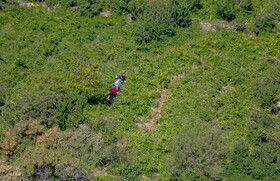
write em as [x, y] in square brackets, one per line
[97, 99]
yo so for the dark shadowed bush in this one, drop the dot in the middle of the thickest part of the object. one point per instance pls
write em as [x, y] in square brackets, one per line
[155, 23]
[247, 6]
[267, 92]
[264, 21]
[132, 171]
[262, 163]
[50, 108]
[160, 18]
[226, 9]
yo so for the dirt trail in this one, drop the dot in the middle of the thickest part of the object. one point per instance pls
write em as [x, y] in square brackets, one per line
[156, 111]
[150, 124]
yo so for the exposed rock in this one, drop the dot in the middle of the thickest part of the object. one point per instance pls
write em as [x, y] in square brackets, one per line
[224, 89]
[207, 26]
[106, 13]
[28, 4]
[277, 110]
[214, 26]
[278, 105]
[129, 18]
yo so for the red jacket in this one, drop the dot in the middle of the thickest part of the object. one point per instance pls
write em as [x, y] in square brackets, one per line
[114, 89]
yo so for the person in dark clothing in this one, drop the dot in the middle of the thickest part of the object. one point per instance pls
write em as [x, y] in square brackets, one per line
[111, 97]
[122, 77]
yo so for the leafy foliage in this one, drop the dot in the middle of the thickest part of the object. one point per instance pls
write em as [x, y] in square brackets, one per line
[8, 172]
[230, 9]
[50, 108]
[156, 23]
[132, 171]
[262, 163]
[267, 92]
[264, 22]
[226, 10]
[197, 151]
[160, 18]
[86, 7]
[247, 6]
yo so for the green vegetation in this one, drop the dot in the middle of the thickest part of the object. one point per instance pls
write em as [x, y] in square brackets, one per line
[219, 118]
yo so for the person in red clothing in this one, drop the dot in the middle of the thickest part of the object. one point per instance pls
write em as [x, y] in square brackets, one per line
[114, 89]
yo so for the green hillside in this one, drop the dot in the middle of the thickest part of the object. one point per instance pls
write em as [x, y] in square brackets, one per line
[201, 99]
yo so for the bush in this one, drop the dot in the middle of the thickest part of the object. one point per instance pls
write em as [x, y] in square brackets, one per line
[83, 81]
[180, 11]
[155, 23]
[131, 171]
[50, 108]
[239, 26]
[226, 9]
[45, 154]
[136, 7]
[85, 7]
[275, 6]
[264, 21]
[267, 92]
[5, 3]
[89, 7]
[8, 172]
[261, 164]
[246, 6]
[119, 6]
[239, 159]
[161, 17]
[197, 151]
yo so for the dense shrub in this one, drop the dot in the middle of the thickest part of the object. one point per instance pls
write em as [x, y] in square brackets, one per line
[119, 6]
[5, 3]
[52, 153]
[262, 163]
[246, 6]
[161, 17]
[267, 92]
[229, 9]
[155, 23]
[84, 81]
[50, 108]
[239, 26]
[196, 152]
[8, 172]
[89, 7]
[264, 21]
[275, 7]
[132, 171]
[239, 159]
[85, 7]
[226, 9]
[180, 11]
[136, 7]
